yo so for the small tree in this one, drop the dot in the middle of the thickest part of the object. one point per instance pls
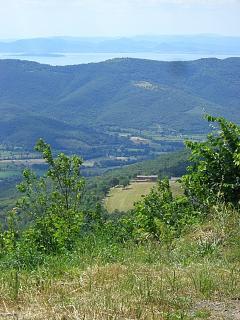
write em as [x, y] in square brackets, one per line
[162, 216]
[124, 182]
[53, 201]
[215, 173]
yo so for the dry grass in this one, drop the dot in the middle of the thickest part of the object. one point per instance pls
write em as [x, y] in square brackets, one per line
[198, 277]
[120, 291]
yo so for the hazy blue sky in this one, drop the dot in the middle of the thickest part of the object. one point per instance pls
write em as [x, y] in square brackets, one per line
[34, 18]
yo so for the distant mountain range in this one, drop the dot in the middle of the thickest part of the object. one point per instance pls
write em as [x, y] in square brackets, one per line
[74, 106]
[205, 44]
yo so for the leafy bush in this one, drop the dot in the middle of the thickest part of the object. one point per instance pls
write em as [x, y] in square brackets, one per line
[161, 215]
[52, 201]
[213, 178]
[215, 173]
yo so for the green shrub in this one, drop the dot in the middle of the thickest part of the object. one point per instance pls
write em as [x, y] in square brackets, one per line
[52, 202]
[162, 216]
[215, 173]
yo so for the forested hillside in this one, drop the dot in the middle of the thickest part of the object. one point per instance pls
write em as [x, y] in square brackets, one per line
[89, 105]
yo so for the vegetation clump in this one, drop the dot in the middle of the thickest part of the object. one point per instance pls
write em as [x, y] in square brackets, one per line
[215, 173]
[212, 179]
[51, 203]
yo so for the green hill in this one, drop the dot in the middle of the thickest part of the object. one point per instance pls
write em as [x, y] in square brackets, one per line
[86, 105]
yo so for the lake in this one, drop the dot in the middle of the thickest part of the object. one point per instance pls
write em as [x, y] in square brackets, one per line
[79, 58]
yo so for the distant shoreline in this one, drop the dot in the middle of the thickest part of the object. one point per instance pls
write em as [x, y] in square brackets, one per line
[59, 59]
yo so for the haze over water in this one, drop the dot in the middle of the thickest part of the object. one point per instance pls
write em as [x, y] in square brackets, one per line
[80, 58]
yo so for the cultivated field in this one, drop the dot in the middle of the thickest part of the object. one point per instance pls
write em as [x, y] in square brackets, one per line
[123, 199]
[22, 161]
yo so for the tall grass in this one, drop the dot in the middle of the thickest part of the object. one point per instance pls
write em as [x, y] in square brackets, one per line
[196, 277]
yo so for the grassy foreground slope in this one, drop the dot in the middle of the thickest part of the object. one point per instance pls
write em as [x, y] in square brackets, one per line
[197, 277]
